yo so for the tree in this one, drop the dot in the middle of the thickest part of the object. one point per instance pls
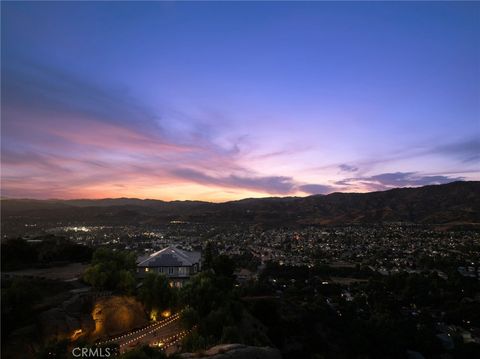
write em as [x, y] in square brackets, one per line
[194, 342]
[111, 270]
[208, 257]
[201, 293]
[189, 317]
[230, 334]
[224, 267]
[18, 300]
[156, 293]
[16, 254]
[126, 281]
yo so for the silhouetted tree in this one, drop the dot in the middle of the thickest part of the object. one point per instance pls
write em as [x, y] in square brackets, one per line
[156, 293]
[112, 270]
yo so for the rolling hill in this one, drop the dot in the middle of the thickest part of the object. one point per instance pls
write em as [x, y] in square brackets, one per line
[453, 203]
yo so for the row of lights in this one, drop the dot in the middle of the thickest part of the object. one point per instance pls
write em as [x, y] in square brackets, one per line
[149, 332]
[181, 335]
[156, 325]
[172, 336]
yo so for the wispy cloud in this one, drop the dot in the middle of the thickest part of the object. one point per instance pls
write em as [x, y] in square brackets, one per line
[267, 184]
[467, 150]
[347, 168]
[62, 135]
[397, 179]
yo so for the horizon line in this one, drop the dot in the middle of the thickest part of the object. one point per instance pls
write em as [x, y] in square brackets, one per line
[2, 198]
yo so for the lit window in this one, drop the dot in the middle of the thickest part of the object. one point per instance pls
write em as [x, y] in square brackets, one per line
[147, 269]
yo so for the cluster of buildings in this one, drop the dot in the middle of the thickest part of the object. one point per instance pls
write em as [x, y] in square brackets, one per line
[387, 249]
[174, 250]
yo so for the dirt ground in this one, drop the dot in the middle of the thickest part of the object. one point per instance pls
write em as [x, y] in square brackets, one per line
[65, 273]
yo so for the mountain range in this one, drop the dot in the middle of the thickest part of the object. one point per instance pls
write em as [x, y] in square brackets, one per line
[453, 203]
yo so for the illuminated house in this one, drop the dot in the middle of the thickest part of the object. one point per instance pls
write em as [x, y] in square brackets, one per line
[176, 264]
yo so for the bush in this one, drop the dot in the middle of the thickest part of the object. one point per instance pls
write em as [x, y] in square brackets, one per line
[111, 270]
[156, 293]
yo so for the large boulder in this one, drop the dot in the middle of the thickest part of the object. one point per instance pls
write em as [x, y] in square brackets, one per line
[117, 314]
[235, 351]
[94, 317]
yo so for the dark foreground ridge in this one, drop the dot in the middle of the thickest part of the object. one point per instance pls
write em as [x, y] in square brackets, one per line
[235, 351]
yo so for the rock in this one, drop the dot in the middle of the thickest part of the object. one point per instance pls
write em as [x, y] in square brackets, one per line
[235, 351]
[117, 314]
[74, 305]
[93, 317]
[58, 324]
[69, 317]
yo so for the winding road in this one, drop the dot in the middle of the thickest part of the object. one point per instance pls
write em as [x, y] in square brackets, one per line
[164, 334]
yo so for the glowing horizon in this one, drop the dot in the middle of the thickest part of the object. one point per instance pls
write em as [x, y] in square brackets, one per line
[225, 101]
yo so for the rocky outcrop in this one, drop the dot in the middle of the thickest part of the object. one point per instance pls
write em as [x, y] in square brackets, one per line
[117, 314]
[235, 351]
[71, 317]
[94, 317]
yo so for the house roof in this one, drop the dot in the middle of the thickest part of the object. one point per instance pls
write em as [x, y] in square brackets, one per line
[171, 257]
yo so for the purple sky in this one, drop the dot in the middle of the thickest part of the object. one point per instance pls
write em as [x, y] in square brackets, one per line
[219, 101]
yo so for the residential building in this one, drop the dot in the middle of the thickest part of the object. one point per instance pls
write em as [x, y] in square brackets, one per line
[176, 264]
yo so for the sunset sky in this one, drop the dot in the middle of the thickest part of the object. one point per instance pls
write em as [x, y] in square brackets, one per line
[220, 101]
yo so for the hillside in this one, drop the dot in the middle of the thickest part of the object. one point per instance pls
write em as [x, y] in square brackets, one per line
[453, 203]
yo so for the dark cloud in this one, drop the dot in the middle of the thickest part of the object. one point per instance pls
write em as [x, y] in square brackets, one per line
[401, 179]
[268, 184]
[316, 188]
[398, 179]
[347, 168]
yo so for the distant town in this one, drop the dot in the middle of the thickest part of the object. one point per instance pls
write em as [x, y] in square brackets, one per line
[409, 289]
[385, 249]
[240, 179]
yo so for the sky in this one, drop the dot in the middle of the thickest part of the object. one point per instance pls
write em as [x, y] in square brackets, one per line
[220, 101]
